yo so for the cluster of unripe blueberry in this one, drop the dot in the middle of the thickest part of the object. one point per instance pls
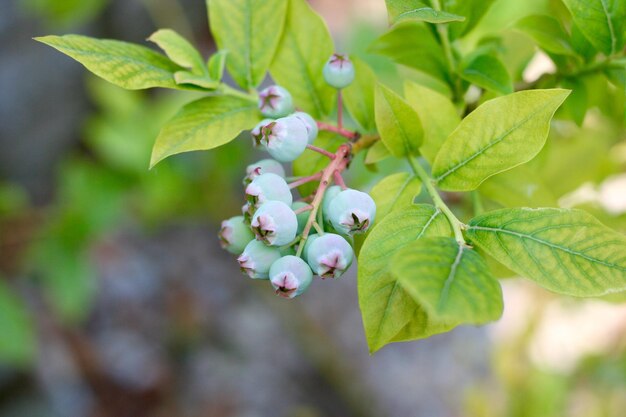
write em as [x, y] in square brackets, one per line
[289, 241]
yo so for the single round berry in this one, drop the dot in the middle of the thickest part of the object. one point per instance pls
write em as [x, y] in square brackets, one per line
[268, 187]
[274, 223]
[290, 276]
[257, 258]
[285, 139]
[257, 134]
[235, 235]
[339, 71]
[329, 255]
[309, 123]
[263, 166]
[275, 102]
[331, 192]
[303, 216]
[352, 211]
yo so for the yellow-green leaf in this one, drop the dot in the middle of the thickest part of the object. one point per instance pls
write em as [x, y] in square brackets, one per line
[389, 313]
[124, 64]
[565, 251]
[304, 48]
[395, 192]
[250, 31]
[499, 135]
[179, 50]
[451, 281]
[359, 96]
[398, 124]
[205, 124]
[438, 115]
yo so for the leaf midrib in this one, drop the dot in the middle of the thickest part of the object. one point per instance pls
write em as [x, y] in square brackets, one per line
[493, 143]
[431, 219]
[190, 133]
[549, 244]
[118, 57]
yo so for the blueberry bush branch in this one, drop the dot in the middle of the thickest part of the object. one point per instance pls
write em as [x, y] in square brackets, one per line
[468, 116]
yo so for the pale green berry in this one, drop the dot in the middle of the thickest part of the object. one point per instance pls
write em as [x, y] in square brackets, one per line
[352, 211]
[275, 102]
[290, 276]
[309, 123]
[263, 166]
[329, 255]
[274, 223]
[285, 139]
[268, 187]
[235, 235]
[339, 71]
[257, 258]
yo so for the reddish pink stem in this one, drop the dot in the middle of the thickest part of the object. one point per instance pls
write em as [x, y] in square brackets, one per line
[322, 151]
[348, 134]
[338, 164]
[339, 180]
[303, 209]
[304, 180]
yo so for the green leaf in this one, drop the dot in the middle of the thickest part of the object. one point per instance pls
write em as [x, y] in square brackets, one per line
[204, 124]
[202, 81]
[438, 115]
[547, 32]
[124, 64]
[389, 313]
[359, 96]
[417, 11]
[499, 135]
[414, 45]
[518, 187]
[473, 10]
[304, 49]
[179, 50]
[451, 281]
[216, 65]
[601, 21]
[378, 152]
[250, 31]
[488, 72]
[395, 192]
[399, 126]
[565, 251]
[17, 344]
[311, 162]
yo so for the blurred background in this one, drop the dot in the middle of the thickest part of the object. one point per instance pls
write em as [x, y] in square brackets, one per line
[117, 301]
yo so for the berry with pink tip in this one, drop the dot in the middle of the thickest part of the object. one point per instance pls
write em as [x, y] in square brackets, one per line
[235, 235]
[285, 139]
[275, 102]
[339, 71]
[268, 187]
[274, 223]
[351, 212]
[290, 276]
[257, 258]
[329, 255]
